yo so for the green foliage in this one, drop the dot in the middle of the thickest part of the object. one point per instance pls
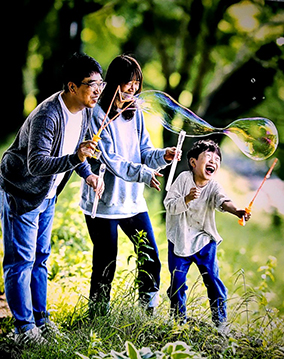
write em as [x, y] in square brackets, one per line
[129, 332]
[70, 243]
[140, 245]
[255, 298]
[1, 267]
[127, 327]
[268, 274]
[177, 350]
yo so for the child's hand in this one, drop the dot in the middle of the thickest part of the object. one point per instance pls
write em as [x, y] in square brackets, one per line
[243, 213]
[194, 193]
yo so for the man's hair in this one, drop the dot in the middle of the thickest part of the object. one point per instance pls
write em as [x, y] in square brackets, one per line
[77, 67]
[203, 146]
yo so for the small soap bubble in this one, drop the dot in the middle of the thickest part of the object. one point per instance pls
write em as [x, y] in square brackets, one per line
[256, 137]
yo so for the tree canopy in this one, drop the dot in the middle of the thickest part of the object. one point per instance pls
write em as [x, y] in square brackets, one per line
[222, 58]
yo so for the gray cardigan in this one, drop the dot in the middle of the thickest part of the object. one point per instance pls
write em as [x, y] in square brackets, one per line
[29, 166]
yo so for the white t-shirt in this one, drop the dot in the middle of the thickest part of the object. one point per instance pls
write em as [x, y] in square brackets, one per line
[71, 138]
[191, 226]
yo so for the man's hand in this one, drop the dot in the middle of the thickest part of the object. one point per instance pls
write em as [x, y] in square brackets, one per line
[154, 182]
[86, 149]
[92, 181]
[170, 154]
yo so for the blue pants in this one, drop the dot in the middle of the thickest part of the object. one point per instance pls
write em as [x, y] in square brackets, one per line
[206, 261]
[26, 249]
[104, 235]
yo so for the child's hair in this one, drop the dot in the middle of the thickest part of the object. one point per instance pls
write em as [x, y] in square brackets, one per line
[121, 70]
[203, 146]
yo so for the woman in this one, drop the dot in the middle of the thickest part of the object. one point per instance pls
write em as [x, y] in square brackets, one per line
[131, 161]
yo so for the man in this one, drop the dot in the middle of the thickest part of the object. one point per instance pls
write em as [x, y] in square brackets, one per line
[46, 150]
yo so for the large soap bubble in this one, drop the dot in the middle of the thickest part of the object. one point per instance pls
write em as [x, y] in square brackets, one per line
[256, 137]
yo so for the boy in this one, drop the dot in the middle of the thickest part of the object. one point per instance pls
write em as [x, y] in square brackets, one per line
[191, 229]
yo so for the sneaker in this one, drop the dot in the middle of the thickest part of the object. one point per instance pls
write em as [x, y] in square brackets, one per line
[223, 328]
[50, 329]
[30, 337]
[150, 311]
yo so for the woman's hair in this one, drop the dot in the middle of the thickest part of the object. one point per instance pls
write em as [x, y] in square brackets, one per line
[120, 71]
[77, 67]
[203, 146]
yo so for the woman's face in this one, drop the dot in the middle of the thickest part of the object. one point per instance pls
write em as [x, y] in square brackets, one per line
[130, 87]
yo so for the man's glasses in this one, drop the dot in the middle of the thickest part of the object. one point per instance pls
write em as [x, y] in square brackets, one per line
[95, 85]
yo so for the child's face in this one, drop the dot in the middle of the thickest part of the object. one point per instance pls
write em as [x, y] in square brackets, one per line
[206, 166]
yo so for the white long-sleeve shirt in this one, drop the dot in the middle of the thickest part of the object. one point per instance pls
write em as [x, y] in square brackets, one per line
[130, 160]
[191, 226]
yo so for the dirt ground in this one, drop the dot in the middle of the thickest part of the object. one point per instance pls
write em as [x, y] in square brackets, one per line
[4, 309]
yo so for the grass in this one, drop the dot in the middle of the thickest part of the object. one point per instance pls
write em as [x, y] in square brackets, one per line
[260, 337]
[251, 265]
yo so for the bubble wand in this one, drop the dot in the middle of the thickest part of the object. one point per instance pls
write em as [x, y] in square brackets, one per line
[242, 221]
[100, 180]
[181, 138]
[96, 137]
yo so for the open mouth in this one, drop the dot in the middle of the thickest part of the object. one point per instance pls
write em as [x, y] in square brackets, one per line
[210, 169]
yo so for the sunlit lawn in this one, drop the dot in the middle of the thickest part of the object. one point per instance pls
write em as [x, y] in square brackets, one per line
[244, 250]
[251, 263]
[243, 254]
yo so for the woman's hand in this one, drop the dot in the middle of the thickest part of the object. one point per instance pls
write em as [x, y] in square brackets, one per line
[154, 182]
[92, 181]
[170, 154]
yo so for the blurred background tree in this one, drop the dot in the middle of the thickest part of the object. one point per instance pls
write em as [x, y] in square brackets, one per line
[222, 58]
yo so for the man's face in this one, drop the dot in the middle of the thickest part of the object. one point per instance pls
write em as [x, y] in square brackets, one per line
[88, 93]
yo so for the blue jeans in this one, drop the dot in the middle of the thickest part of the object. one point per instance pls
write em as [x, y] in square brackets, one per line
[206, 261]
[26, 250]
[104, 235]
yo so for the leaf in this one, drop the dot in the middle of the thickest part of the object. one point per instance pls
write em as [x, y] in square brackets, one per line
[148, 247]
[118, 355]
[129, 259]
[168, 348]
[146, 353]
[145, 256]
[179, 345]
[81, 355]
[132, 352]
[180, 355]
